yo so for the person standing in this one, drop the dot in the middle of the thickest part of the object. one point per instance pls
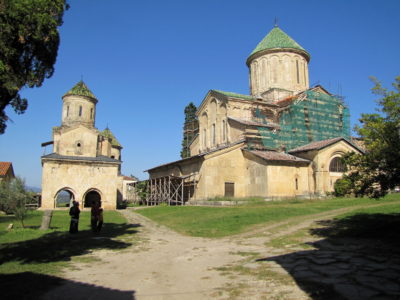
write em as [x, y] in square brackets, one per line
[95, 215]
[74, 212]
[100, 224]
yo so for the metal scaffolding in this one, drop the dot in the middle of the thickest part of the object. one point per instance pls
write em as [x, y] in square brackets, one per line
[311, 117]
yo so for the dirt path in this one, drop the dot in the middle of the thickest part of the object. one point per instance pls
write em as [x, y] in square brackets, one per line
[167, 265]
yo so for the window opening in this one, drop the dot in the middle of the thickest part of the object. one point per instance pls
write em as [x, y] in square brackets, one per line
[91, 113]
[67, 110]
[80, 111]
[224, 130]
[297, 71]
[205, 138]
[213, 134]
[337, 165]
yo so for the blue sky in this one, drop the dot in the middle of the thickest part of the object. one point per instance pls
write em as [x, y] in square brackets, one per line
[146, 60]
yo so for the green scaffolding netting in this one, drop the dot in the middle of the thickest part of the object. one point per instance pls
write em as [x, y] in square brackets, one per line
[317, 117]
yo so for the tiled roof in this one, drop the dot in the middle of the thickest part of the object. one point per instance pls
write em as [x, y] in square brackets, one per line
[253, 123]
[108, 134]
[4, 167]
[278, 39]
[129, 178]
[317, 145]
[277, 156]
[198, 155]
[235, 95]
[81, 158]
[81, 89]
[177, 161]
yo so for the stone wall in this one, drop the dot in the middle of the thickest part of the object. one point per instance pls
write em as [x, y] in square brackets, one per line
[79, 178]
[284, 70]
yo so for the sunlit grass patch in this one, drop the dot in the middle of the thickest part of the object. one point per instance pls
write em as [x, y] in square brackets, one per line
[217, 222]
[296, 239]
[49, 251]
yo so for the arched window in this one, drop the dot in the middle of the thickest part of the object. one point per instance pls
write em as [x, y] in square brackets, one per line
[205, 138]
[337, 165]
[223, 131]
[213, 135]
[80, 111]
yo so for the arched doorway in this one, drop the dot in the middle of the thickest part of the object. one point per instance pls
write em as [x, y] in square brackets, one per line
[64, 198]
[91, 197]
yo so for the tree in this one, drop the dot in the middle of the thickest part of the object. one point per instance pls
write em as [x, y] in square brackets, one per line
[141, 190]
[13, 197]
[190, 129]
[378, 170]
[29, 41]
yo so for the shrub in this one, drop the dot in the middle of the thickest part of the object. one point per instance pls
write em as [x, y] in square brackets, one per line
[342, 187]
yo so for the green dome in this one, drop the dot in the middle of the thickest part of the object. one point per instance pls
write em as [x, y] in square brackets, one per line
[108, 134]
[81, 89]
[278, 39]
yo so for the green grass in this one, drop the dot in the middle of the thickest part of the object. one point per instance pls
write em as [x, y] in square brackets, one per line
[48, 251]
[32, 223]
[35, 257]
[379, 223]
[386, 209]
[295, 239]
[225, 221]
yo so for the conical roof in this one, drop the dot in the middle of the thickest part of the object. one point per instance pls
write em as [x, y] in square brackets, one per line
[108, 134]
[81, 89]
[278, 39]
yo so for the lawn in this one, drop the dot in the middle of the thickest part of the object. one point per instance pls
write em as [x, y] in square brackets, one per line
[225, 221]
[48, 251]
[31, 259]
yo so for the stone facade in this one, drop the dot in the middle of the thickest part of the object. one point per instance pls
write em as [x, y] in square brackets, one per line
[85, 162]
[280, 141]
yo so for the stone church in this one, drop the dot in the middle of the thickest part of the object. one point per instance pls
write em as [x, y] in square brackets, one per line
[85, 162]
[285, 139]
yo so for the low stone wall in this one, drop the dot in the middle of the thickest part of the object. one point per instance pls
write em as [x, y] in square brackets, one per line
[242, 202]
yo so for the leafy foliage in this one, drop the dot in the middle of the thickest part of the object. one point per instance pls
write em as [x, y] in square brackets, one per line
[13, 197]
[374, 173]
[29, 42]
[190, 129]
[141, 189]
[342, 187]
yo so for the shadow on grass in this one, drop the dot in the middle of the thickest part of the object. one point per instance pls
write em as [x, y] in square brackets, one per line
[377, 227]
[28, 285]
[358, 257]
[61, 246]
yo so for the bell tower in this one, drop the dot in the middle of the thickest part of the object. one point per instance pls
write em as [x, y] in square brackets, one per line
[79, 106]
[278, 67]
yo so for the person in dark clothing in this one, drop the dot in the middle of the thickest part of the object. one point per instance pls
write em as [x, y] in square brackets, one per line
[95, 215]
[100, 223]
[74, 212]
